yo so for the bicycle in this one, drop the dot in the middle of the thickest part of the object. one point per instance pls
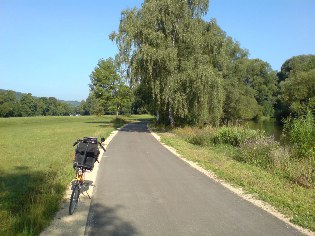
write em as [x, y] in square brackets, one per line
[86, 154]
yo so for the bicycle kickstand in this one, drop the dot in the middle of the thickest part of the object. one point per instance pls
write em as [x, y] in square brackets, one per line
[86, 194]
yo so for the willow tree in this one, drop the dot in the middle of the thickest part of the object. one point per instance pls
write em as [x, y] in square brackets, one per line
[161, 46]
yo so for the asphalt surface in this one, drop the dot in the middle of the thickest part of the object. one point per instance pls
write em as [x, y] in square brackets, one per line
[144, 189]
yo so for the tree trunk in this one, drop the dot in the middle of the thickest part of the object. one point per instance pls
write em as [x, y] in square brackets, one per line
[117, 111]
[157, 117]
[171, 117]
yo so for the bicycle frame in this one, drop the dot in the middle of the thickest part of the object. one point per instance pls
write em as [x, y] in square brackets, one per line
[79, 175]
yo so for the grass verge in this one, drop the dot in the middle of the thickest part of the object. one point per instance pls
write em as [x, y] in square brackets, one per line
[293, 200]
[36, 166]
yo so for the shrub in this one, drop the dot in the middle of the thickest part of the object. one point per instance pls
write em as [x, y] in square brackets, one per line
[236, 136]
[255, 148]
[281, 159]
[208, 136]
[300, 134]
[268, 154]
[301, 172]
[196, 136]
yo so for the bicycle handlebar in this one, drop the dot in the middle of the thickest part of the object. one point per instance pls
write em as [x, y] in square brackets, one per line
[81, 140]
[102, 146]
[76, 142]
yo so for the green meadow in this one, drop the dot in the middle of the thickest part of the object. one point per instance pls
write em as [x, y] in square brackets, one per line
[36, 166]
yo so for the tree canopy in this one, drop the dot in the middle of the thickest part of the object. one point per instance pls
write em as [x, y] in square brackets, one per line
[161, 45]
[296, 64]
[297, 86]
[191, 71]
[111, 94]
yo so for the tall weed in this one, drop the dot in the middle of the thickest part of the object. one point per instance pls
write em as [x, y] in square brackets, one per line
[302, 172]
[197, 136]
[259, 152]
[207, 136]
[236, 135]
[255, 148]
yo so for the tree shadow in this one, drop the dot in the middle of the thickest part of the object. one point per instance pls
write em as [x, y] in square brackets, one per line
[102, 124]
[104, 220]
[148, 120]
[105, 126]
[138, 127]
[28, 200]
[99, 122]
[116, 123]
[119, 122]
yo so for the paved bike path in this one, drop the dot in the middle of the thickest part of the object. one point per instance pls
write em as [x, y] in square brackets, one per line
[144, 189]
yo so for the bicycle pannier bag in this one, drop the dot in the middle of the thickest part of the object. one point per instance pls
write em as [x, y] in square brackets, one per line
[86, 153]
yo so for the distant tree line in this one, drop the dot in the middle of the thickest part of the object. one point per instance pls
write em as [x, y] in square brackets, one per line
[27, 105]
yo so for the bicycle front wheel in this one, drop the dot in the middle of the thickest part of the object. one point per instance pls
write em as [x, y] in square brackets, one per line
[74, 199]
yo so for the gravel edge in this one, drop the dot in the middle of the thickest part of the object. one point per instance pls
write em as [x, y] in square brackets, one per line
[64, 224]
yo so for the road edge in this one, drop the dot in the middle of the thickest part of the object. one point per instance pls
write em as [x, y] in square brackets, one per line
[236, 190]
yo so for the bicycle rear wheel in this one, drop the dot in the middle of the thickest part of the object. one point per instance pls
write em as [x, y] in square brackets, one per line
[74, 199]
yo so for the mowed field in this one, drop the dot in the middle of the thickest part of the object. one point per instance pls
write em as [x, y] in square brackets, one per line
[36, 166]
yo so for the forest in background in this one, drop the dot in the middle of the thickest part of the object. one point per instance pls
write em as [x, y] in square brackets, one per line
[16, 104]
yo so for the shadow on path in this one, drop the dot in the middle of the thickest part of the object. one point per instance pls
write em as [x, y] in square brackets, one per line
[104, 220]
[139, 127]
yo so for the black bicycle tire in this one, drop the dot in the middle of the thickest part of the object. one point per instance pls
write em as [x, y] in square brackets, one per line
[74, 199]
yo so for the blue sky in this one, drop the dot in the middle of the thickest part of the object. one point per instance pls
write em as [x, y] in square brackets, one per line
[49, 48]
